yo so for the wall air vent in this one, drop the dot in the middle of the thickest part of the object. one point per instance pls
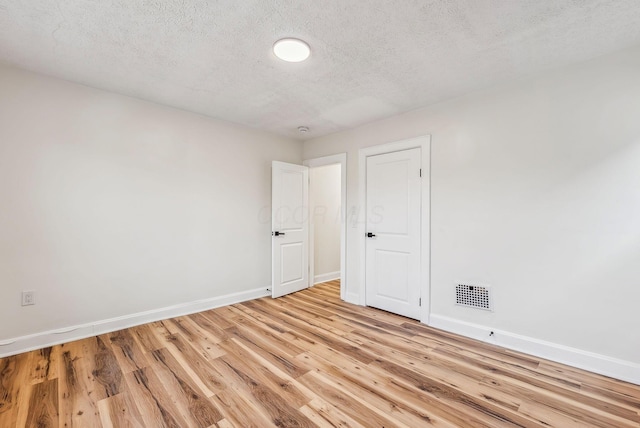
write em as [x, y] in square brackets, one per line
[474, 296]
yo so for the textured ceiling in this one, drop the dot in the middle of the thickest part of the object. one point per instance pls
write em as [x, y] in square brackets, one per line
[370, 59]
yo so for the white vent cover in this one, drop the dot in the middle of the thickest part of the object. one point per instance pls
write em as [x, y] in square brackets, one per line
[474, 296]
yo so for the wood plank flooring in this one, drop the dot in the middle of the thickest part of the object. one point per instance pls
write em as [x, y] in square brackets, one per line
[304, 360]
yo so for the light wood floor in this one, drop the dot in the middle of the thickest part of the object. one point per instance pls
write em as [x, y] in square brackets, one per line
[307, 359]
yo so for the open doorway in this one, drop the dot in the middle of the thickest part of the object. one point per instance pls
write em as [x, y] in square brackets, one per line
[324, 190]
[327, 201]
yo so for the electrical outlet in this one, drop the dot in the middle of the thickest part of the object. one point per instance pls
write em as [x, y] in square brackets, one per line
[28, 298]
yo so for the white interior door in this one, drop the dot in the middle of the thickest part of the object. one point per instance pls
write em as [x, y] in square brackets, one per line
[393, 227]
[290, 228]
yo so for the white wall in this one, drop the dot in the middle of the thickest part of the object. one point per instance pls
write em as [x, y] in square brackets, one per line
[325, 215]
[535, 191]
[111, 205]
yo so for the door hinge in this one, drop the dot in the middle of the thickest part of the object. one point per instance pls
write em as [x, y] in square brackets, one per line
[420, 301]
[420, 172]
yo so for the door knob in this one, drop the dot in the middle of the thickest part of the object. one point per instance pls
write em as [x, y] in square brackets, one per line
[370, 235]
[278, 233]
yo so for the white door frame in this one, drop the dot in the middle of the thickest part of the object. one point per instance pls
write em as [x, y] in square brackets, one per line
[340, 159]
[423, 142]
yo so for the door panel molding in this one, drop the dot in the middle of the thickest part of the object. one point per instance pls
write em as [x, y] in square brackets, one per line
[423, 142]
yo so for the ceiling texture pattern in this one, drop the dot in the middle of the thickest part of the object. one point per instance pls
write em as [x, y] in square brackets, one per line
[370, 59]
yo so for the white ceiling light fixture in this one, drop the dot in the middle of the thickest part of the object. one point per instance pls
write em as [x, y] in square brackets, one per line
[291, 50]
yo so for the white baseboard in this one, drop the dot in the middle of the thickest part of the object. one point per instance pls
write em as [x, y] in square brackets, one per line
[55, 337]
[331, 276]
[608, 366]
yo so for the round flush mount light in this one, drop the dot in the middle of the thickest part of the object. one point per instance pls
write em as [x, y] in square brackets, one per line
[303, 129]
[291, 50]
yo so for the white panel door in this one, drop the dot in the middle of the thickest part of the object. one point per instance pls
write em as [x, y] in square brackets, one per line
[290, 228]
[393, 226]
